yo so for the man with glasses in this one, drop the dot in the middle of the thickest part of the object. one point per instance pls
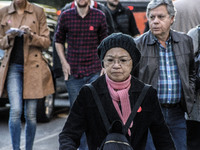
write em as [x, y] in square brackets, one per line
[167, 63]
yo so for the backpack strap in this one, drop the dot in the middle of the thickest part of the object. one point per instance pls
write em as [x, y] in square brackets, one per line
[100, 107]
[135, 108]
[103, 114]
[72, 5]
[95, 4]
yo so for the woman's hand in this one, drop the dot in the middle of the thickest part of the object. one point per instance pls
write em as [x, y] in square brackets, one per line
[12, 35]
[26, 30]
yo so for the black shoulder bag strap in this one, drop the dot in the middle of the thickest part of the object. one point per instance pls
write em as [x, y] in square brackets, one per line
[103, 114]
[100, 107]
[135, 107]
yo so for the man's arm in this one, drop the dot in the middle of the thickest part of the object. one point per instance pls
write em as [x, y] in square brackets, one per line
[57, 68]
[192, 72]
[103, 29]
[60, 38]
[64, 63]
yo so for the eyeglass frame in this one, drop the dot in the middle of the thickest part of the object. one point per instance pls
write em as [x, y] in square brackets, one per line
[121, 63]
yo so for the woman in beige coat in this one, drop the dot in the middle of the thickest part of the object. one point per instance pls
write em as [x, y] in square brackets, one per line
[24, 71]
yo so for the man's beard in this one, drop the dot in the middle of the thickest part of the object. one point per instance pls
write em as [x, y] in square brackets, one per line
[112, 4]
[82, 6]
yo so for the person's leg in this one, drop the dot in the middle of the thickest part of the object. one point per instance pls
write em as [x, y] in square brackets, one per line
[30, 125]
[92, 78]
[73, 86]
[86, 80]
[15, 89]
[149, 145]
[175, 119]
[193, 134]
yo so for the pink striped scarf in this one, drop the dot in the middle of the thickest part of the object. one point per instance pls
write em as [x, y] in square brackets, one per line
[119, 94]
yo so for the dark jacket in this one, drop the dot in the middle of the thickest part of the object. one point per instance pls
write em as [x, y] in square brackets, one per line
[183, 50]
[124, 21]
[85, 117]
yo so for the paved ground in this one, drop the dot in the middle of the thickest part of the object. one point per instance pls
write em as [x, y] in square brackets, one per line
[46, 135]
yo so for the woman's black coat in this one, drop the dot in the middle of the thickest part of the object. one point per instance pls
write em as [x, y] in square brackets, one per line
[85, 117]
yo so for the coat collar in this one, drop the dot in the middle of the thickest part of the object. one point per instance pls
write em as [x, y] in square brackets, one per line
[119, 8]
[151, 38]
[135, 89]
[136, 85]
[29, 8]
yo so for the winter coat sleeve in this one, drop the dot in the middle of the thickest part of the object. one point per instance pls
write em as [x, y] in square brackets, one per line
[75, 126]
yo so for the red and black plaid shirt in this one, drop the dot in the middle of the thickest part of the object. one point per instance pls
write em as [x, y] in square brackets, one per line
[83, 35]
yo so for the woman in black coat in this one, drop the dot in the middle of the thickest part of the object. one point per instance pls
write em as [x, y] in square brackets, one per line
[119, 56]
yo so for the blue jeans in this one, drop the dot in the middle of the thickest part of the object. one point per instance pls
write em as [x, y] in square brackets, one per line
[73, 87]
[75, 84]
[175, 120]
[15, 95]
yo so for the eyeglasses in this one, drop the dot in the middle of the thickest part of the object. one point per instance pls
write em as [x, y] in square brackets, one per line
[111, 61]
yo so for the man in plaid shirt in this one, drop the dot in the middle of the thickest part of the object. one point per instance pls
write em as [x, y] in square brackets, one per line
[167, 63]
[83, 28]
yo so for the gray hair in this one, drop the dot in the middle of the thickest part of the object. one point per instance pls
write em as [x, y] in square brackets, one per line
[155, 3]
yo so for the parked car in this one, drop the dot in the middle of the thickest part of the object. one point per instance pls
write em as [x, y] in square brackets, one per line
[46, 105]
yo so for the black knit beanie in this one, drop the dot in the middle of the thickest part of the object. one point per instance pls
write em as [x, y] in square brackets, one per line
[119, 40]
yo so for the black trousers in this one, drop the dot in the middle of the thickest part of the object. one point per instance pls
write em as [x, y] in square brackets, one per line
[193, 135]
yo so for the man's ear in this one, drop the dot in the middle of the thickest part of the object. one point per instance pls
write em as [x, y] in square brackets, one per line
[172, 20]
